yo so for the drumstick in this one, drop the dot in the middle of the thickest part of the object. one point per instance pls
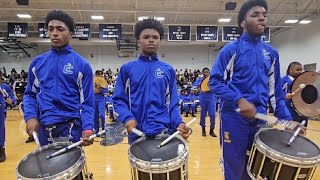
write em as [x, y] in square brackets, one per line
[273, 120]
[175, 134]
[36, 139]
[74, 145]
[289, 95]
[137, 132]
[295, 133]
[301, 86]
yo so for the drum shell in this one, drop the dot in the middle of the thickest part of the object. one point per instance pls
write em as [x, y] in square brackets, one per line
[272, 164]
[286, 159]
[71, 173]
[158, 167]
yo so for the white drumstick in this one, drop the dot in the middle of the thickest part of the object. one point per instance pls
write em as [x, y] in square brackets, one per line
[175, 134]
[137, 132]
[295, 133]
[75, 144]
[36, 139]
[301, 86]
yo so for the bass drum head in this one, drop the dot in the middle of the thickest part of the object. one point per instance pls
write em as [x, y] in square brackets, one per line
[278, 140]
[146, 149]
[36, 165]
[307, 100]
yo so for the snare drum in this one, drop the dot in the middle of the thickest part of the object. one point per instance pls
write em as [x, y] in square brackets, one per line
[148, 162]
[271, 158]
[69, 165]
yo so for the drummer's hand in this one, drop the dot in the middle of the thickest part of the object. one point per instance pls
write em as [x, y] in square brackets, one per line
[184, 130]
[9, 100]
[289, 96]
[85, 137]
[130, 125]
[293, 125]
[247, 109]
[32, 125]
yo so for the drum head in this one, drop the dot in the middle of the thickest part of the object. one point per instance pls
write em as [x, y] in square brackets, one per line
[147, 149]
[278, 140]
[307, 100]
[36, 165]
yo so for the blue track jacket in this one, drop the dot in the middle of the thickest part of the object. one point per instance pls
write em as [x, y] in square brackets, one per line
[249, 68]
[60, 88]
[7, 92]
[146, 91]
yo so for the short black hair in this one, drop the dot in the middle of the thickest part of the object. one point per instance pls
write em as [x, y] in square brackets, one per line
[149, 23]
[205, 69]
[247, 6]
[291, 65]
[61, 16]
[98, 72]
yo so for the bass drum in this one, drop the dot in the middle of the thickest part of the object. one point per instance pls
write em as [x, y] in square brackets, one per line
[307, 101]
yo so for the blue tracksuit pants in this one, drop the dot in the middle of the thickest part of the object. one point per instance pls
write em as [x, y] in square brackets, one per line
[100, 113]
[208, 107]
[236, 137]
[64, 131]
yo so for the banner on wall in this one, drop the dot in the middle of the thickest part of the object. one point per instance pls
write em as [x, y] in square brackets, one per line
[17, 30]
[110, 31]
[230, 33]
[179, 33]
[207, 33]
[82, 31]
[43, 32]
[266, 35]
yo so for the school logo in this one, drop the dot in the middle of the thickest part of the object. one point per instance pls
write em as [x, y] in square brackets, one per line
[226, 136]
[159, 73]
[266, 54]
[68, 69]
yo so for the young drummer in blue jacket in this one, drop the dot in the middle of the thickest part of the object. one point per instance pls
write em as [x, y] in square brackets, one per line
[2, 128]
[245, 74]
[100, 103]
[145, 94]
[7, 93]
[293, 71]
[188, 104]
[59, 99]
[7, 97]
[207, 102]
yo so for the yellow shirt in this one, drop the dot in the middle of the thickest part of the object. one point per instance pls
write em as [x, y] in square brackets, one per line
[204, 85]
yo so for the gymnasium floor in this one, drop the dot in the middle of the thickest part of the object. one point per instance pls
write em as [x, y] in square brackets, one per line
[111, 162]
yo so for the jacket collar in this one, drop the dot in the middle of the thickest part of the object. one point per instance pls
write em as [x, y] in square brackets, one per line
[251, 38]
[149, 58]
[64, 49]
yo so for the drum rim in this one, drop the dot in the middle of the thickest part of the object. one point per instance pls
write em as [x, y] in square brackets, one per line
[281, 157]
[159, 167]
[69, 173]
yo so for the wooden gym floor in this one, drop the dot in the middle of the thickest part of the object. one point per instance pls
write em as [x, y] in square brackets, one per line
[111, 162]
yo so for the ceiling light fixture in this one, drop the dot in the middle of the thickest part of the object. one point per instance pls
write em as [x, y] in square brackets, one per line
[23, 15]
[97, 17]
[224, 20]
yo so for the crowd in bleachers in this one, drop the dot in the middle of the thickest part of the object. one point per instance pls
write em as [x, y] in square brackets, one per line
[188, 95]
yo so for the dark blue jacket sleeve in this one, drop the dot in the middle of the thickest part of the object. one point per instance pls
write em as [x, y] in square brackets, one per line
[217, 82]
[174, 101]
[87, 106]
[29, 98]
[280, 108]
[120, 98]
